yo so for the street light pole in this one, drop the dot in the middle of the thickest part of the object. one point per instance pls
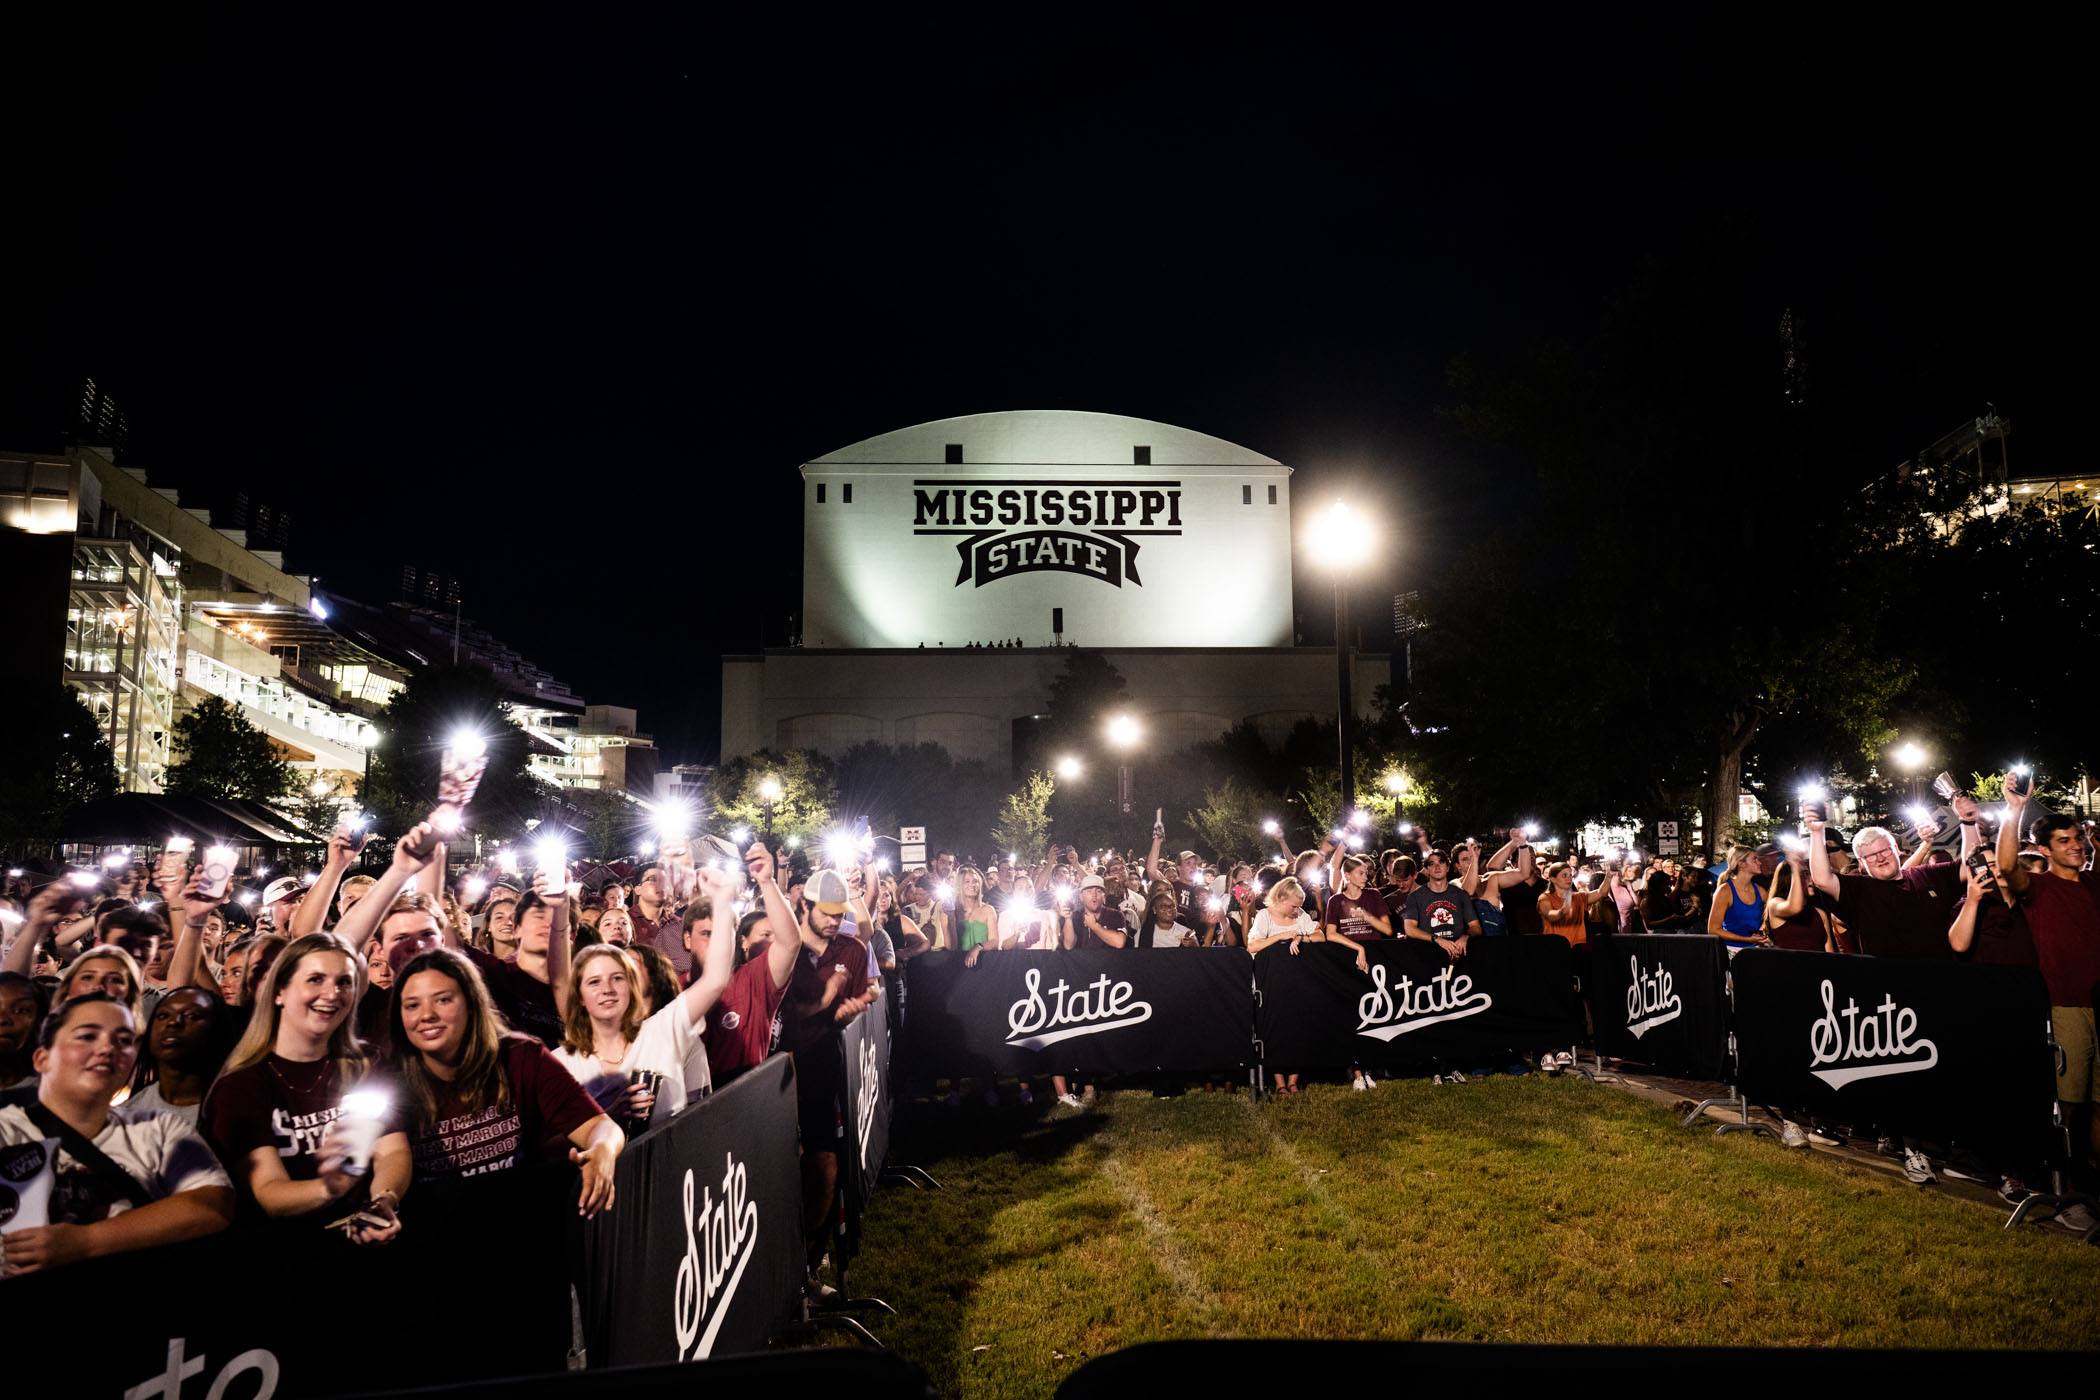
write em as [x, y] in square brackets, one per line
[1345, 712]
[1342, 538]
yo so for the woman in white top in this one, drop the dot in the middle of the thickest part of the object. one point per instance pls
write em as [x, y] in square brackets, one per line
[1021, 923]
[1161, 928]
[1284, 917]
[606, 1036]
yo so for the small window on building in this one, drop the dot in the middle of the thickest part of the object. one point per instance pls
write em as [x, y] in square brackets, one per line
[1272, 495]
[846, 493]
[820, 493]
[1246, 495]
[1141, 456]
[954, 453]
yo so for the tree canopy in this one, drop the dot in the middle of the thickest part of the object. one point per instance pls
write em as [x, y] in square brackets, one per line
[220, 753]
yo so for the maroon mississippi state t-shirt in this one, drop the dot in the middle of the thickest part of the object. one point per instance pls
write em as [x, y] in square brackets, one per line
[740, 1028]
[1347, 914]
[546, 1105]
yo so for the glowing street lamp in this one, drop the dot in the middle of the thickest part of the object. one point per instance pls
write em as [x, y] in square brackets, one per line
[1909, 757]
[1068, 768]
[1123, 736]
[768, 794]
[1342, 539]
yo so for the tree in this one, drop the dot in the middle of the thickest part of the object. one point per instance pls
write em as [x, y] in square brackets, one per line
[1023, 824]
[1229, 821]
[84, 769]
[1618, 703]
[437, 704]
[920, 784]
[808, 794]
[80, 769]
[218, 753]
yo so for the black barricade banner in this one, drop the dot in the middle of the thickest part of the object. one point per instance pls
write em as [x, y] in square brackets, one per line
[242, 1313]
[1941, 1050]
[701, 1254]
[868, 1103]
[1092, 1010]
[1506, 995]
[1662, 1000]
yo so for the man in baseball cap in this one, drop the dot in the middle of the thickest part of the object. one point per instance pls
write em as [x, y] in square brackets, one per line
[1094, 924]
[279, 899]
[830, 987]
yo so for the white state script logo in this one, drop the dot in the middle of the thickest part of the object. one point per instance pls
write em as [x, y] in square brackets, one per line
[1885, 1034]
[1385, 1012]
[719, 1242]
[1651, 999]
[1090, 1011]
[870, 1095]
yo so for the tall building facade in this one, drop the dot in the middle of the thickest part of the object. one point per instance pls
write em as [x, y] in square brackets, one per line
[948, 567]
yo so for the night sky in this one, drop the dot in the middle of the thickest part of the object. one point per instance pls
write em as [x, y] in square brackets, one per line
[559, 303]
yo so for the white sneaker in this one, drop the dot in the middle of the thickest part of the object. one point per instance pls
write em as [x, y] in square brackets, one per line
[1359, 1086]
[2075, 1218]
[1822, 1139]
[1790, 1135]
[1917, 1169]
[1369, 1082]
[1070, 1101]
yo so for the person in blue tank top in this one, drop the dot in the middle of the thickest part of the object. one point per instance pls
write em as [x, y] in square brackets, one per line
[1738, 915]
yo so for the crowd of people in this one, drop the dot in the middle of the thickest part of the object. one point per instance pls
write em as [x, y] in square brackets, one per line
[356, 1045]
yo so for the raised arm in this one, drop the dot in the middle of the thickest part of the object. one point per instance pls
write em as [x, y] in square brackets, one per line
[721, 890]
[312, 912]
[1819, 869]
[2009, 868]
[785, 933]
[1926, 831]
[556, 893]
[365, 916]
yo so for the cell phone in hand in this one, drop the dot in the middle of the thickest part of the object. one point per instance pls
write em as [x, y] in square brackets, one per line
[1979, 865]
[2019, 784]
[1813, 810]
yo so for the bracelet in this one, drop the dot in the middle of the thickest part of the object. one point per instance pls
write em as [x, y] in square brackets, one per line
[193, 923]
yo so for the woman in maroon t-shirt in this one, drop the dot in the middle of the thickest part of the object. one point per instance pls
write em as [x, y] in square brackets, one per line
[478, 1100]
[272, 1114]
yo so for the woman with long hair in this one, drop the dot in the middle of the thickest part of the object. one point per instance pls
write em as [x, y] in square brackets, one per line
[976, 918]
[478, 1099]
[1738, 912]
[1790, 920]
[610, 1034]
[272, 1113]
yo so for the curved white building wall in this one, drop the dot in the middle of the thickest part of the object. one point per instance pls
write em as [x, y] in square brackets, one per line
[1144, 534]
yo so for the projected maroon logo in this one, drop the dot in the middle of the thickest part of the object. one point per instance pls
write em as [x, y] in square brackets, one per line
[1008, 528]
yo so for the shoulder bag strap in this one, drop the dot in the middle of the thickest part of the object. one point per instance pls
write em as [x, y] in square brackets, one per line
[88, 1155]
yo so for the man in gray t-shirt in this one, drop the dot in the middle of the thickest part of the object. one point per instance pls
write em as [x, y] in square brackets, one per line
[1439, 910]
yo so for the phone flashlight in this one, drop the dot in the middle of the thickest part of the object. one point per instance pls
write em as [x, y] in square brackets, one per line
[1531, 830]
[1272, 827]
[551, 855]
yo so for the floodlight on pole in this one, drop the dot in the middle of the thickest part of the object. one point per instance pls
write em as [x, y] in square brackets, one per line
[1068, 767]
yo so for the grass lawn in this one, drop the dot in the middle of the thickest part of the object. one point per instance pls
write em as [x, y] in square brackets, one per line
[1517, 1210]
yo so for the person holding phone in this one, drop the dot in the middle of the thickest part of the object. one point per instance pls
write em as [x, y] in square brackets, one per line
[2061, 904]
[272, 1114]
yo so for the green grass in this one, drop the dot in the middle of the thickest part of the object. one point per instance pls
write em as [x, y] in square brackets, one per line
[1518, 1210]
